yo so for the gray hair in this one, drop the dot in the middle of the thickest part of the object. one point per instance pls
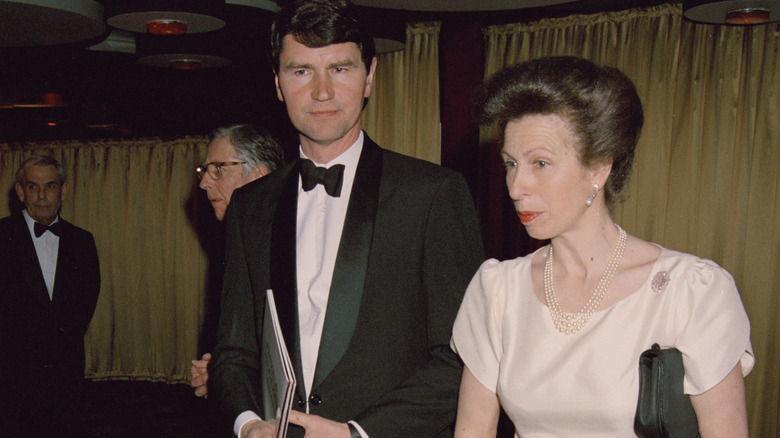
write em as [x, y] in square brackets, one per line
[40, 160]
[254, 146]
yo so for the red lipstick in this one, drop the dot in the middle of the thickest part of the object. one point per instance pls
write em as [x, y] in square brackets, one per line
[527, 216]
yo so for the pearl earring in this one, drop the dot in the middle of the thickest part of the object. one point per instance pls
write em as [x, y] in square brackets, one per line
[589, 202]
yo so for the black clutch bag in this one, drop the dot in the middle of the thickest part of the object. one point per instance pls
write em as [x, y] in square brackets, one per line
[663, 410]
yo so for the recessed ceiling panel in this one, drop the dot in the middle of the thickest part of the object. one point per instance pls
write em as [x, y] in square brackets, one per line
[458, 5]
[49, 22]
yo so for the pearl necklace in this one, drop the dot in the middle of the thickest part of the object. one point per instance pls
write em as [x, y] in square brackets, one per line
[570, 323]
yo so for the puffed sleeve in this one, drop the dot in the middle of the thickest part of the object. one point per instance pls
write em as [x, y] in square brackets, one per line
[714, 331]
[476, 335]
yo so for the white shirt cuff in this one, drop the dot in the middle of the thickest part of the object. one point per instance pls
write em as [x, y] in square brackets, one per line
[359, 429]
[242, 419]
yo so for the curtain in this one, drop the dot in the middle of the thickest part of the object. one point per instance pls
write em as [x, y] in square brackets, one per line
[140, 200]
[707, 171]
[406, 88]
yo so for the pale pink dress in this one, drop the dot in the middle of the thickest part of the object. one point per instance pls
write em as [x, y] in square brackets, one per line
[586, 384]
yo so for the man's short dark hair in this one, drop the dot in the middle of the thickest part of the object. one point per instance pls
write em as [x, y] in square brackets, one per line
[253, 144]
[320, 23]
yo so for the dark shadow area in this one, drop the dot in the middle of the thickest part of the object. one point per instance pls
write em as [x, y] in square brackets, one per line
[14, 204]
[125, 409]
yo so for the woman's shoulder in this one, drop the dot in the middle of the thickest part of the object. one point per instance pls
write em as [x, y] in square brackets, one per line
[494, 266]
[694, 269]
[495, 278]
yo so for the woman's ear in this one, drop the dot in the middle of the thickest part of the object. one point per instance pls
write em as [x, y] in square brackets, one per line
[600, 172]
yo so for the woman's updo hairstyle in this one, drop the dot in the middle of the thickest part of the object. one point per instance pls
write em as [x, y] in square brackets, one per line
[600, 104]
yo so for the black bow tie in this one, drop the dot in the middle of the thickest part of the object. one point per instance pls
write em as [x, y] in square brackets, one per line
[331, 178]
[40, 228]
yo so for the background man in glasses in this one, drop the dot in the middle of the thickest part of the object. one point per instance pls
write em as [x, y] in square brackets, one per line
[49, 285]
[236, 155]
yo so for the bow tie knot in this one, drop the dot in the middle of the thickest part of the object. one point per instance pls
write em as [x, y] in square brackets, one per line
[331, 178]
[40, 228]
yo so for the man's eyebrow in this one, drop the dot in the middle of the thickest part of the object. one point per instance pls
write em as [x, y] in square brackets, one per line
[54, 181]
[295, 66]
[340, 63]
[344, 63]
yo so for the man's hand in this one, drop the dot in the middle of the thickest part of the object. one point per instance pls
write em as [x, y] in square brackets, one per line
[319, 427]
[258, 429]
[200, 375]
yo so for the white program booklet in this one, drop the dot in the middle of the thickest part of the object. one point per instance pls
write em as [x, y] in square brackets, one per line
[277, 371]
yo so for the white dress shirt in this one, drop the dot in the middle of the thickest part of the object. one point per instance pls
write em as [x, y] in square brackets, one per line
[319, 224]
[46, 247]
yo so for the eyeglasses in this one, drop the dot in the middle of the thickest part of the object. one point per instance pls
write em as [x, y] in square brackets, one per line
[215, 169]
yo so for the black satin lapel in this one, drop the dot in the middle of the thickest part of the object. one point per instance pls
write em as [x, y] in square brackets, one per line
[31, 268]
[64, 257]
[349, 274]
[282, 267]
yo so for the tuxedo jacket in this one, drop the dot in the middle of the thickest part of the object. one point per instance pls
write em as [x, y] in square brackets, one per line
[409, 247]
[42, 339]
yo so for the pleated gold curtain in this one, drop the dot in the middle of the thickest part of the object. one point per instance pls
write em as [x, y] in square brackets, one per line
[707, 171]
[402, 114]
[138, 198]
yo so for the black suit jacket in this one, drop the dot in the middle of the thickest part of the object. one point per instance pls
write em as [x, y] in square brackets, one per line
[42, 339]
[409, 247]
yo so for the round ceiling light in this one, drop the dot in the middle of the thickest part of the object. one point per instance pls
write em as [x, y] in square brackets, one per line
[457, 5]
[741, 12]
[184, 61]
[192, 22]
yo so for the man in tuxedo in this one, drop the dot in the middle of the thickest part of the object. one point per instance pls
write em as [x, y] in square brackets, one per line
[235, 156]
[49, 284]
[368, 260]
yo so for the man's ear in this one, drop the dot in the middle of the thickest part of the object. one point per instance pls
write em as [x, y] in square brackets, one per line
[259, 172]
[370, 78]
[19, 191]
[279, 94]
[64, 191]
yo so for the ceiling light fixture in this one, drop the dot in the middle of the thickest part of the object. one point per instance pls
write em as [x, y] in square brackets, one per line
[736, 12]
[166, 27]
[185, 64]
[169, 17]
[268, 5]
[184, 61]
[25, 23]
[748, 16]
[184, 52]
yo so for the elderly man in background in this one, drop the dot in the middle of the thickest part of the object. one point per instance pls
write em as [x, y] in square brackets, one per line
[49, 285]
[236, 155]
